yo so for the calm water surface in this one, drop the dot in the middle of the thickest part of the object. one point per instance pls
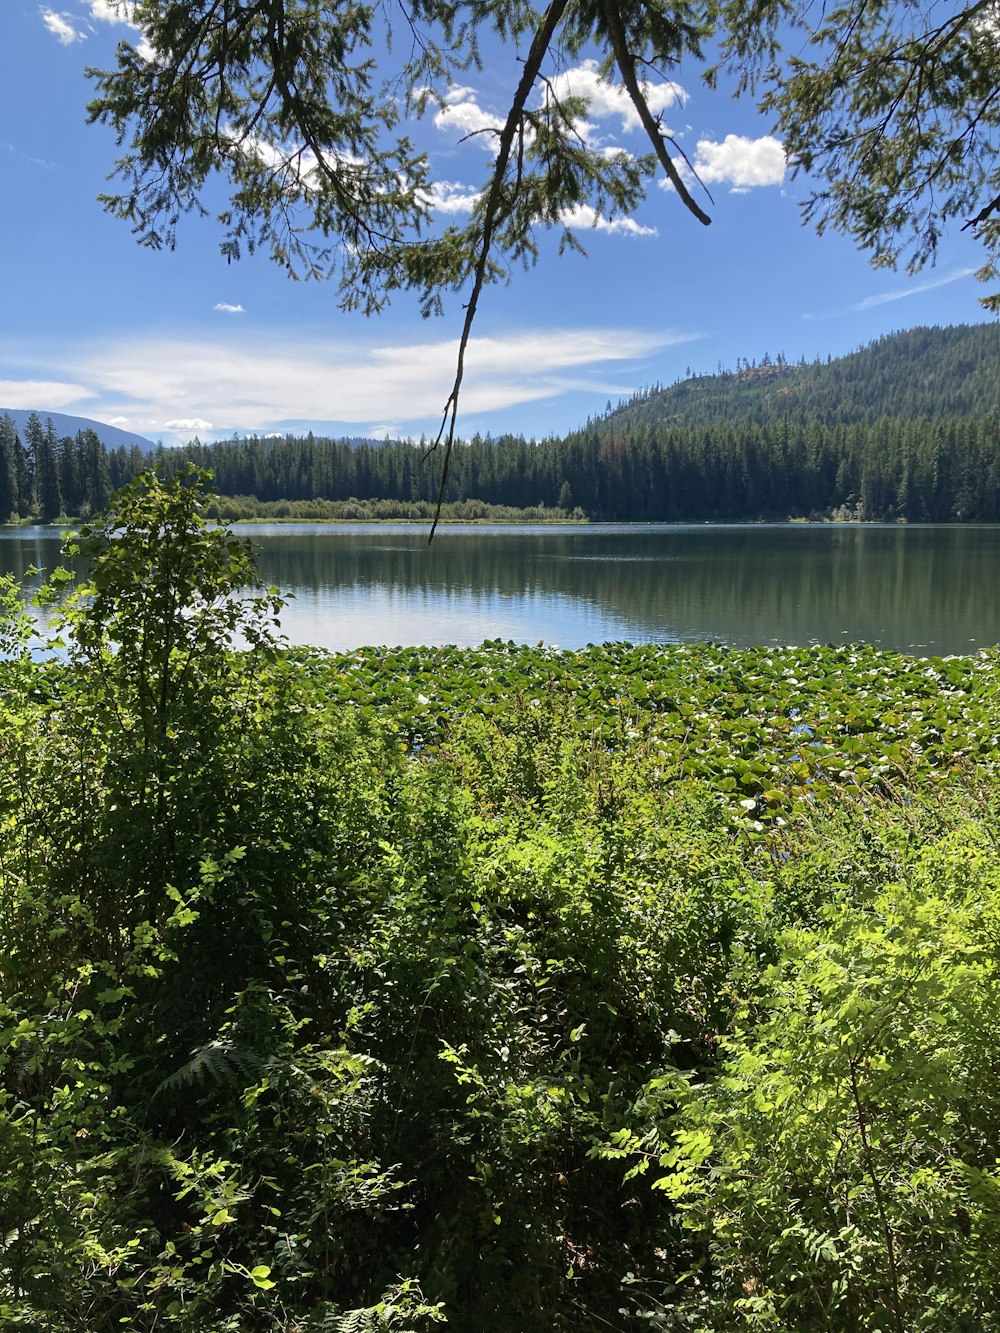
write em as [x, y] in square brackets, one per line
[920, 589]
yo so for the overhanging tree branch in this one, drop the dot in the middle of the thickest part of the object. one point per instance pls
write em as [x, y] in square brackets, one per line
[626, 66]
[532, 70]
[984, 214]
[491, 209]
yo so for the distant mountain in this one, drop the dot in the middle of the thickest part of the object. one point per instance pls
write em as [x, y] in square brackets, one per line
[112, 437]
[919, 374]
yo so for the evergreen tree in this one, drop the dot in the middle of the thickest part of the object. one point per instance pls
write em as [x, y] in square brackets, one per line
[95, 471]
[11, 470]
[47, 490]
[34, 445]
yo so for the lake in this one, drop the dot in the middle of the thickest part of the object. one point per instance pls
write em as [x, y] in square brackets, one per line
[926, 590]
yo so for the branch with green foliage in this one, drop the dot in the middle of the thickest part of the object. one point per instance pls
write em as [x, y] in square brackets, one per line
[288, 102]
[893, 108]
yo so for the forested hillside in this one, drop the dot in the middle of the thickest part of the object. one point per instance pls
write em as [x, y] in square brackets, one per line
[907, 428]
[918, 374]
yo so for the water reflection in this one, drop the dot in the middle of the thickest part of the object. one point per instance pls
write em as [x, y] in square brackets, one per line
[933, 589]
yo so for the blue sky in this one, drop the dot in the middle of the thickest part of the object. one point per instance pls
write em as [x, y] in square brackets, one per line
[174, 344]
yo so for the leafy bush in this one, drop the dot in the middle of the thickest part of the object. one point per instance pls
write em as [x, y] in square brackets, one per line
[841, 1169]
[523, 990]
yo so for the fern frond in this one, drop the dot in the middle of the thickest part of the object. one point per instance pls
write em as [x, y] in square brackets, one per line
[329, 1319]
[401, 1309]
[217, 1062]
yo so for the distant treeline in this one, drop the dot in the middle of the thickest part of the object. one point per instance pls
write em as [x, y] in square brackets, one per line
[923, 471]
[906, 428]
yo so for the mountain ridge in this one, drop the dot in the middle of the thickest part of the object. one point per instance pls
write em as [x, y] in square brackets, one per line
[112, 437]
[913, 374]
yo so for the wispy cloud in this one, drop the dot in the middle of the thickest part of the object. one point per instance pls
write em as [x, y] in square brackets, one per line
[173, 388]
[61, 27]
[26, 157]
[226, 309]
[885, 297]
[42, 393]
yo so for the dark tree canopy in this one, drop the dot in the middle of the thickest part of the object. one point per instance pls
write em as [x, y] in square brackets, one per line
[291, 103]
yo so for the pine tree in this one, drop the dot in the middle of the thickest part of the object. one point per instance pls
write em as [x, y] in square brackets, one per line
[47, 491]
[10, 470]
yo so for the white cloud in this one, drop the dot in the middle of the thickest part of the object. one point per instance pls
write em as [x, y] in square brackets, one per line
[463, 114]
[611, 99]
[187, 423]
[121, 422]
[584, 216]
[296, 166]
[741, 162]
[122, 11]
[113, 11]
[449, 197]
[228, 309]
[914, 290]
[255, 384]
[61, 27]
